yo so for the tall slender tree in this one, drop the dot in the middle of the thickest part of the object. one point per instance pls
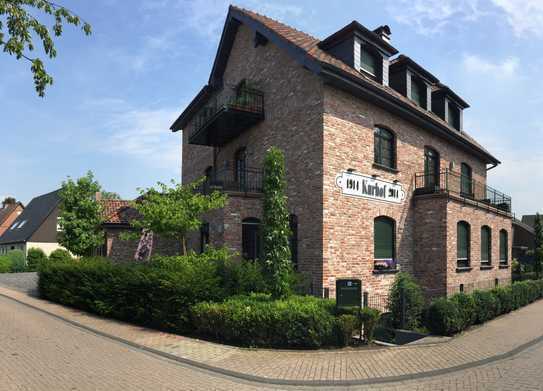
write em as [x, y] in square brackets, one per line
[277, 256]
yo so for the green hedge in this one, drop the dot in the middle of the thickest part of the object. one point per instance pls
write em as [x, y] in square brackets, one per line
[406, 288]
[449, 316]
[34, 258]
[5, 264]
[150, 296]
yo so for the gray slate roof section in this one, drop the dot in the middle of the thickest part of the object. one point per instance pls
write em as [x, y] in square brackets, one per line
[35, 214]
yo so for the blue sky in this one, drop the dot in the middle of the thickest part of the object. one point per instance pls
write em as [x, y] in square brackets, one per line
[117, 92]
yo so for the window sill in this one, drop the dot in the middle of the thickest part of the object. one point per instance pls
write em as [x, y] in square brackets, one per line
[487, 267]
[385, 168]
[463, 269]
[385, 271]
[504, 266]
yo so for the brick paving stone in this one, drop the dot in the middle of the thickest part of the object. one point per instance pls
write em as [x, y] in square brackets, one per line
[349, 364]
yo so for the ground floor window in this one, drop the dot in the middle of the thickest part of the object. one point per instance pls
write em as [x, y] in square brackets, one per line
[384, 242]
[204, 236]
[463, 242]
[486, 245]
[504, 247]
[293, 222]
[251, 238]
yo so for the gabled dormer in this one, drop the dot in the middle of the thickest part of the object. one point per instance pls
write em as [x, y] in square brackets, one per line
[366, 51]
[412, 81]
[448, 106]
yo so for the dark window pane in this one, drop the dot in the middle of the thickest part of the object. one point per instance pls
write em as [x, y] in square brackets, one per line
[416, 92]
[368, 61]
[204, 236]
[251, 241]
[384, 151]
[466, 182]
[486, 251]
[384, 238]
[463, 241]
[503, 247]
[293, 222]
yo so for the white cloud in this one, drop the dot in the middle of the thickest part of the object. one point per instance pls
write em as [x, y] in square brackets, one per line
[144, 133]
[524, 16]
[430, 16]
[500, 70]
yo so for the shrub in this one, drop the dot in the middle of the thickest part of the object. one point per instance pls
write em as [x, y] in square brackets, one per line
[443, 317]
[486, 305]
[504, 296]
[34, 258]
[346, 325]
[239, 277]
[5, 264]
[259, 320]
[150, 296]
[414, 301]
[17, 260]
[370, 318]
[467, 311]
[60, 255]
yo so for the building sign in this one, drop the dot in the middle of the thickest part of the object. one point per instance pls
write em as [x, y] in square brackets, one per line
[348, 293]
[358, 185]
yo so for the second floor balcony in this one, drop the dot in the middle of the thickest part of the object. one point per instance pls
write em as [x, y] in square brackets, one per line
[245, 180]
[226, 116]
[462, 186]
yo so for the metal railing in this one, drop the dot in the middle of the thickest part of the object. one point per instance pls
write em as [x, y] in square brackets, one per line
[455, 183]
[245, 181]
[243, 99]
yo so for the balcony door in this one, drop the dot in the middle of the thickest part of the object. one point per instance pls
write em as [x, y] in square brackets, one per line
[240, 168]
[466, 181]
[431, 169]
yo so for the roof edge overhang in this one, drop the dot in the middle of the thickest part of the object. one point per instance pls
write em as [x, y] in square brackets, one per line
[403, 62]
[360, 88]
[443, 89]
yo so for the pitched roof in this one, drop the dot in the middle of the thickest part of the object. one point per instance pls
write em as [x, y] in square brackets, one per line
[8, 210]
[31, 219]
[403, 60]
[305, 48]
[530, 220]
[117, 212]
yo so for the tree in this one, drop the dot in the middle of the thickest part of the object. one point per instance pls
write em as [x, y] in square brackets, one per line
[110, 195]
[173, 211]
[80, 215]
[276, 229]
[19, 27]
[538, 250]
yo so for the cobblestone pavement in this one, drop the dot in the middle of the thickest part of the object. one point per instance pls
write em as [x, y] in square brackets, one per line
[41, 352]
[495, 338]
[23, 282]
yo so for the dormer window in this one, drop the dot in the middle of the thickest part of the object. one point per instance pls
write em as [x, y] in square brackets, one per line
[368, 61]
[417, 92]
[453, 116]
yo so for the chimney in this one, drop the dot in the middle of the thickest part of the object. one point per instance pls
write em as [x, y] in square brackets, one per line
[98, 196]
[383, 32]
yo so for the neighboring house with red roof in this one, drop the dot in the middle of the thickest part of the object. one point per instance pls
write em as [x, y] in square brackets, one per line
[381, 174]
[117, 215]
[8, 213]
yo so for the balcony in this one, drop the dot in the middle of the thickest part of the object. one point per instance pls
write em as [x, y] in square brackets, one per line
[462, 186]
[239, 181]
[226, 117]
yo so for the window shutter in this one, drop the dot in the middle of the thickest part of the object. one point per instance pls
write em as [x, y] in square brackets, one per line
[383, 239]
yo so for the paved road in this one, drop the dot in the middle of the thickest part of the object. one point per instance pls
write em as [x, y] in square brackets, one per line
[40, 352]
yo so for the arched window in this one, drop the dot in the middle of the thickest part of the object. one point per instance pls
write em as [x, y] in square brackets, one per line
[504, 247]
[431, 168]
[240, 168]
[384, 147]
[463, 243]
[369, 61]
[466, 182]
[250, 238]
[384, 243]
[204, 236]
[293, 223]
[486, 245]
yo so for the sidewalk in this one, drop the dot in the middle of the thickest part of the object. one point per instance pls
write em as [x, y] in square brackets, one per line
[497, 339]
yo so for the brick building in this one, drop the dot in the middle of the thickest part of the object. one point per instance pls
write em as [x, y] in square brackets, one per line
[381, 175]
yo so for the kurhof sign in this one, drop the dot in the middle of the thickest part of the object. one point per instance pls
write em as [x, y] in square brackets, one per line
[365, 186]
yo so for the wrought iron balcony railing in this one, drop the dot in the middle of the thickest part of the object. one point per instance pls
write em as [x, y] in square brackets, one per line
[244, 181]
[466, 187]
[225, 116]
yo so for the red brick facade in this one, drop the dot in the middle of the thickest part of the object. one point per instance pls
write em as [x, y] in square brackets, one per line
[324, 132]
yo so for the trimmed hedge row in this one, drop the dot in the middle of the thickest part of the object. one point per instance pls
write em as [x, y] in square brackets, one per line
[447, 316]
[205, 295]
